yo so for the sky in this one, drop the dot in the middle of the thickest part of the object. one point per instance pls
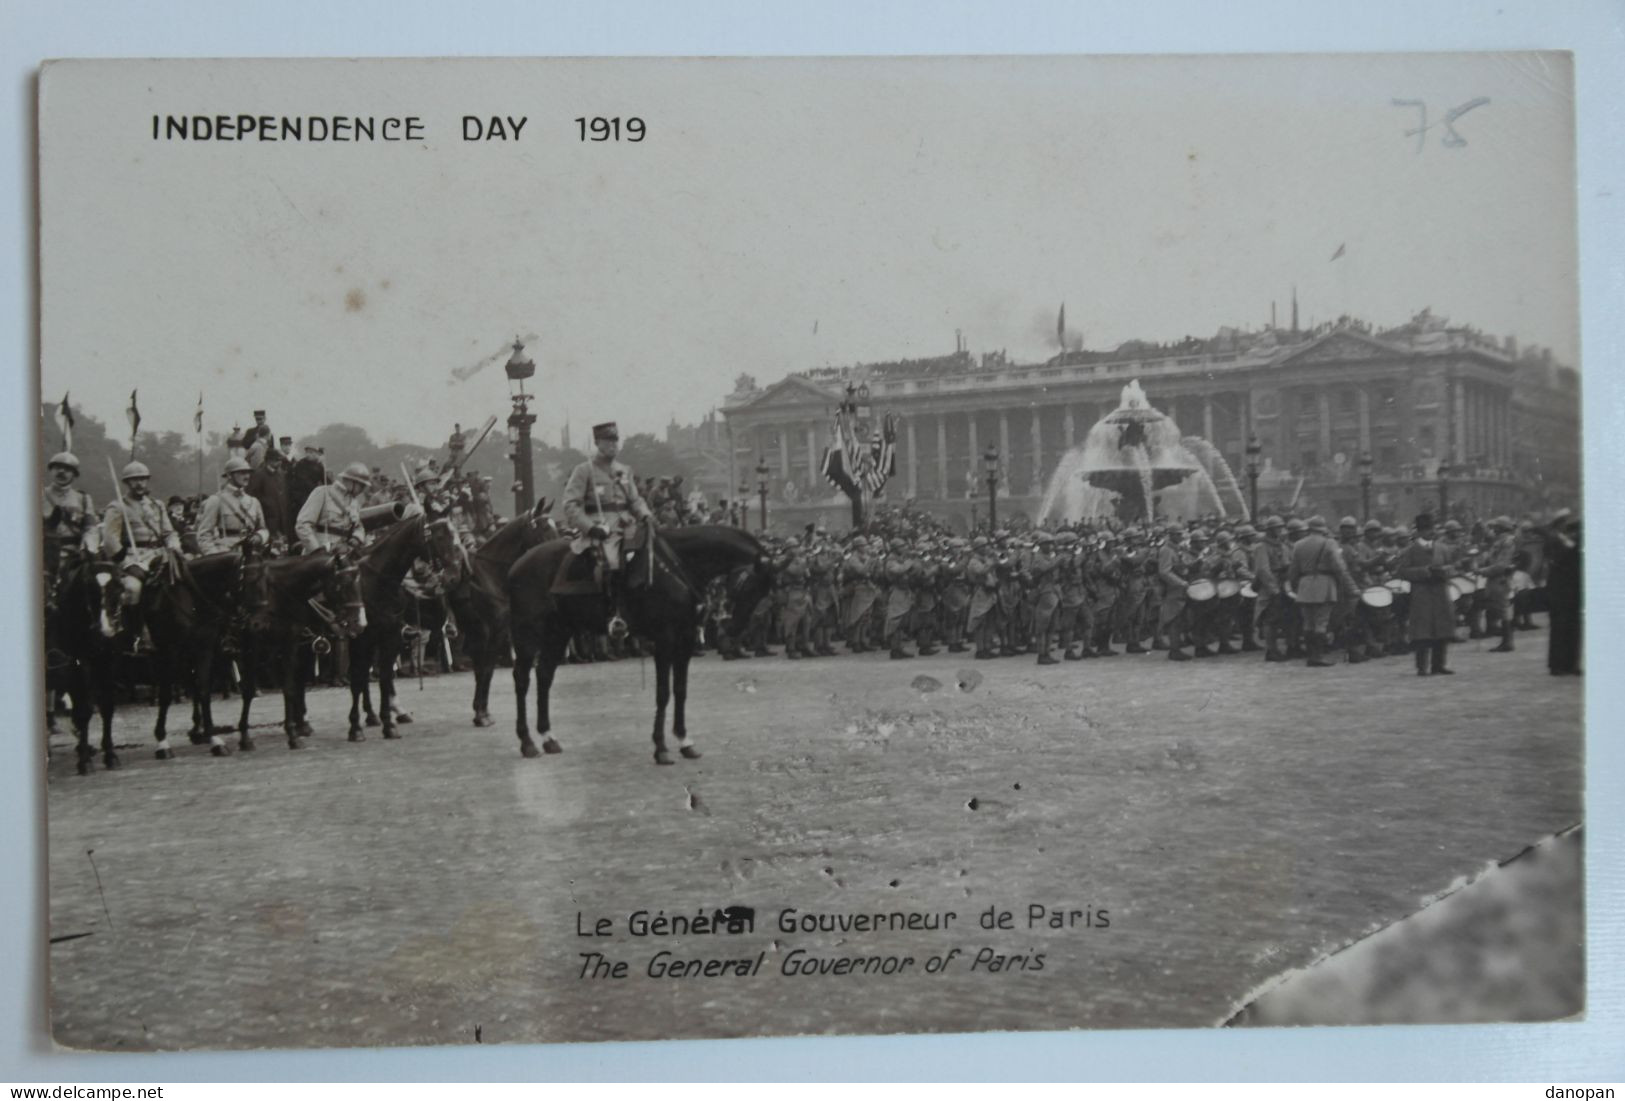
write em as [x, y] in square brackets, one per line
[779, 215]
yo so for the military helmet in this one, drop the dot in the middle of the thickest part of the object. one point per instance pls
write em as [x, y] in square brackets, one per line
[424, 473]
[1452, 525]
[1373, 525]
[1348, 522]
[1317, 523]
[1296, 526]
[1503, 522]
[1245, 531]
[134, 470]
[1043, 537]
[979, 542]
[64, 458]
[1067, 538]
[237, 465]
[357, 472]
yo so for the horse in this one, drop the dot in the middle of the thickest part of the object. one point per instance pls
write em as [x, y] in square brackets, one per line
[478, 597]
[285, 602]
[384, 566]
[187, 614]
[664, 609]
[82, 641]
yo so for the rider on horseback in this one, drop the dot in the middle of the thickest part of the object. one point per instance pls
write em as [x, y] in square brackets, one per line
[70, 520]
[331, 515]
[231, 518]
[601, 501]
[138, 531]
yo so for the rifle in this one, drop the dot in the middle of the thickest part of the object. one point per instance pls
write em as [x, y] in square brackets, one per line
[456, 466]
[123, 509]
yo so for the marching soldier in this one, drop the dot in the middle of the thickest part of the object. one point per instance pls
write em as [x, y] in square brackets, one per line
[1044, 569]
[1103, 585]
[1375, 562]
[924, 614]
[1073, 618]
[331, 515]
[956, 594]
[232, 518]
[1171, 568]
[1348, 624]
[1428, 565]
[797, 604]
[137, 531]
[1238, 548]
[982, 574]
[1501, 561]
[823, 564]
[70, 519]
[1274, 604]
[899, 597]
[1319, 577]
[857, 577]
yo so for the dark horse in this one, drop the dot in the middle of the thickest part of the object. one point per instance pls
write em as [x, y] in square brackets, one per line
[287, 602]
[384, 566]
[221, 596]
[665, 610]
[478, 597]
[81, 646]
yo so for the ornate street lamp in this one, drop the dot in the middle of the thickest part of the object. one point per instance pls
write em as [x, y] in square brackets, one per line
[1366, 462]
[862, 408]
[1444, 491]
[990, 466]
[741, 509]
[1254, 449]
[761, 487]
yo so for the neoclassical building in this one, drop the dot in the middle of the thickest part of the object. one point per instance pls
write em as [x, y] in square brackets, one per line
[1503, 425]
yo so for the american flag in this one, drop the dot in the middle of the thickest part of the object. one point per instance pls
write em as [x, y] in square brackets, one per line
[64, 421]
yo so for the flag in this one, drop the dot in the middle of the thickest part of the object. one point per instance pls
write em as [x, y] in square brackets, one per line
[64, 421]
[1338, 253]
[133, 415]
[1060, 328]
[834, 466]
[197, 418]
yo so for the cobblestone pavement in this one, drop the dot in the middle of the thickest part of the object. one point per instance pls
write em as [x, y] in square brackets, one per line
[1232, 820]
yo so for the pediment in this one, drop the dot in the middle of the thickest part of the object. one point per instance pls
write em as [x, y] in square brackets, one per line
[791, 392]
[1340, 347]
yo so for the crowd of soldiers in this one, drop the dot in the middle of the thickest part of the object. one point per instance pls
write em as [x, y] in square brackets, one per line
[1287, 588]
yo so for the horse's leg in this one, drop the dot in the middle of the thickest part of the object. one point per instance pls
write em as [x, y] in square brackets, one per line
[679, 700]
[366, 696]
[162, 665]
[202, 677]
[663, 649]
[524, 656]
[84, 707]
[477, 644]
[106, 700]
[293, 689]
[552, 655]
[360, 658]
[387, 653]
[248, 655]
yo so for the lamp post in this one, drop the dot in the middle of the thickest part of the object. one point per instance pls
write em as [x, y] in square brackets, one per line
[518, 369]
[1254, 449]
[1444, 491]
[1366, 463]
[990, 466]
[761, 487]
[742, 506]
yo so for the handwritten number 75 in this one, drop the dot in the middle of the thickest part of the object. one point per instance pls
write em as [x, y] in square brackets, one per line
[599, 128]
[1450, 139]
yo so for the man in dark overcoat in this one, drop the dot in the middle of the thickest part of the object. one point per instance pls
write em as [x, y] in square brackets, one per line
[1428, 564]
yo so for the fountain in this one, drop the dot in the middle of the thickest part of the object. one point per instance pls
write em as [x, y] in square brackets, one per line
[1135, 464]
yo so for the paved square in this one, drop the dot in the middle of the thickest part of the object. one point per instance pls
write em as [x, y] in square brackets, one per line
[1231, 819]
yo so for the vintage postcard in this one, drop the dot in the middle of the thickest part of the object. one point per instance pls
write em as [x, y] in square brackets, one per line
[555, 550]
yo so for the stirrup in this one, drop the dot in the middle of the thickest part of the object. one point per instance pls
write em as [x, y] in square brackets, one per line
[618, 629]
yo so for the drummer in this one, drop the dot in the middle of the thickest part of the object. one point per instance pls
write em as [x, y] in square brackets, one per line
[1239, 550]
[1201, 609]
[1173, 569]
[1348, 625]
[1377, 618]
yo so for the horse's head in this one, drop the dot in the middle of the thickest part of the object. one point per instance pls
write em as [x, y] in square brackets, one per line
[444, 545]
[341, 591]
[104, 594]
[744, 588]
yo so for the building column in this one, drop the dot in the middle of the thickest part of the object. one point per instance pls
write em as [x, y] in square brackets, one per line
[1365, 420]
[1456, 447]
[1207, 418]
[1037, 485]
[784, 454]
[812, 457]
[942, 456]
[1004, 449]
[972, 471]
[1069, 427]
[913, 460]
[1323, 400]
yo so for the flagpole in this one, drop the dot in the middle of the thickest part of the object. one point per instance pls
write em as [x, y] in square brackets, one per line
[197, 424]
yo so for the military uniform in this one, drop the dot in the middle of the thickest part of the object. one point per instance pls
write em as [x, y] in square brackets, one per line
[793, 579]
[1044, 569]
[899, 596]
[982, 575]
[331, 515]
[603, 493]
[956, 595]
[230, 518]
[1319, 578]
[1172, 566]
[1274, 606]
[857, 579]
[1500, 563]
[1428, 565]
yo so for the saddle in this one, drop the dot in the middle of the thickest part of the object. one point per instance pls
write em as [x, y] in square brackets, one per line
[584, 571]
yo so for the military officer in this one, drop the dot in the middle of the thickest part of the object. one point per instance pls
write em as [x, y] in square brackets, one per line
[1043, 567]
[232, 518]
[1428, 565]
[70, 517]
[331, 515]
[1274, 605]
[1500, 562]
[982, 575]
[1320, 579]
[899, 571]
[1348, 623]
[137, 530]
[956, 594]
[601, 498]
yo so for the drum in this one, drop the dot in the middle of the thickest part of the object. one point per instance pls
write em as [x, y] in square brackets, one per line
[1461, 586]
[1398, 586]
[1200, 591]
[1521, 581]
[1378, 596]
[1228, 588]
[1247, 591]
[1480, 582]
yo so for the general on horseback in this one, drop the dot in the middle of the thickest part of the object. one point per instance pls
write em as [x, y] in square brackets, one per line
[601, 501]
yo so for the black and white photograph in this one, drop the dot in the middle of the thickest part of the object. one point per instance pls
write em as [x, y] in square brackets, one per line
[555, 550]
